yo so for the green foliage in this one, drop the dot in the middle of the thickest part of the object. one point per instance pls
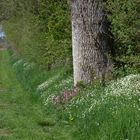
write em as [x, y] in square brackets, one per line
[124, 18]
[127, 65]
[41, 32]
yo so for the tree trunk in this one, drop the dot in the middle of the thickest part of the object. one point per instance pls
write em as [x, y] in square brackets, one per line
[91, 60]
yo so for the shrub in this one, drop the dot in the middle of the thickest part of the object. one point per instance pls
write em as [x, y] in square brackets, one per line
[124, 19]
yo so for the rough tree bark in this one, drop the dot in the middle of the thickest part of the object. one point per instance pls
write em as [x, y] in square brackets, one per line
[91, 60]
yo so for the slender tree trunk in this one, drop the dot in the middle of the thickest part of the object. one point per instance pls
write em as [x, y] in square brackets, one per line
[91, 59]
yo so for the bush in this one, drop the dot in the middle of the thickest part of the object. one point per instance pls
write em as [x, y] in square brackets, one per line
[124, 19]
[41, 32]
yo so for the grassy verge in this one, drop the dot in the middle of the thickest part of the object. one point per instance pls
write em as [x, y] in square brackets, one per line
[51, 109]
[22, 115]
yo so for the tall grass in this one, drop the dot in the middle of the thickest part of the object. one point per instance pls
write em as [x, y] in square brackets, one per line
[94, 113]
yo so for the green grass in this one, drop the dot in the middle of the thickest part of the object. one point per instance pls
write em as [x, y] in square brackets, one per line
[22, 115]
[95, 113]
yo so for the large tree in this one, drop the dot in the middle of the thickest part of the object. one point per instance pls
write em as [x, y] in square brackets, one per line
[91, 59]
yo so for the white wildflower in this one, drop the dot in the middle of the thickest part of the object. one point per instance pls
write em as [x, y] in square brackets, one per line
[127, 86]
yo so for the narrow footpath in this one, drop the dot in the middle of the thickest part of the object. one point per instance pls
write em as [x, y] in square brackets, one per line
[22, 116]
